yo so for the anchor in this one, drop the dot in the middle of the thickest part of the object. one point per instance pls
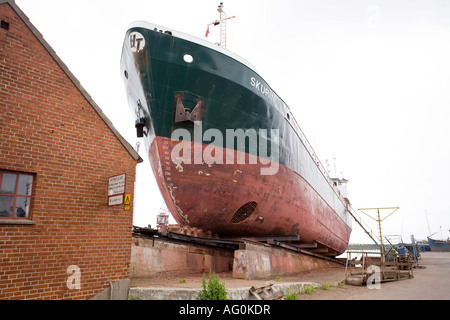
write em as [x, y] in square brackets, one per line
[183, 114]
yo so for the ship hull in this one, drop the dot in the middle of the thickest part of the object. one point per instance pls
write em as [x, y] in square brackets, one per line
[438, 245]
[178, 87]
[221, 198]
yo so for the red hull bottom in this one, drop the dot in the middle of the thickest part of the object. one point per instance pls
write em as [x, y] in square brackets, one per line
[236, 200]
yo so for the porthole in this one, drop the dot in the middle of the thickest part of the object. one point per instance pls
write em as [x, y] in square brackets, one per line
[126, 74]
[188, 58]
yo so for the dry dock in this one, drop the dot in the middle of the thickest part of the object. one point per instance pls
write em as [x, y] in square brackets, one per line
[430, 282]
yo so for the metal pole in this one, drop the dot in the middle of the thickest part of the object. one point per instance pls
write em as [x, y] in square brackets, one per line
[381, 237]
[223, 26]
[379, 220]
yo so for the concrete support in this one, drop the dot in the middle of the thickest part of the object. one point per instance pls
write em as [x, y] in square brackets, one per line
[117, 291]
[253, 260]
[259, 261]
[155, 256]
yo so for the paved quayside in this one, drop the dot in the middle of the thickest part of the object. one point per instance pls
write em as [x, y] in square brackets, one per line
[431, 282]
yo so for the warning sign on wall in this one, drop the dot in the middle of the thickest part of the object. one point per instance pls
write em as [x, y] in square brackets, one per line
[115, 200]
[116, 190]
[127, 202]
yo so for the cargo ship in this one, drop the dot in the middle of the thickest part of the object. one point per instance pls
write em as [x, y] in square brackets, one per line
[225, 149]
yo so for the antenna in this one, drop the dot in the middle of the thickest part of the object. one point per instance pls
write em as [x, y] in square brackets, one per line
[426, 216]
[223, 26]
[335, 174]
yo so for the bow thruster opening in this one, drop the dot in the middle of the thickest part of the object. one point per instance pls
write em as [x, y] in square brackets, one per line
[244, 212]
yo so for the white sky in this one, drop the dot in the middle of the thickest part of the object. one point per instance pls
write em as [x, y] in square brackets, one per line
[368, 82]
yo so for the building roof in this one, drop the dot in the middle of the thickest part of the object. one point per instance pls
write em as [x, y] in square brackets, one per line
[74, 80]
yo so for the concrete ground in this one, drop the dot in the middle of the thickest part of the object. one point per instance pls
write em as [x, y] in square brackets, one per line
[429, 283]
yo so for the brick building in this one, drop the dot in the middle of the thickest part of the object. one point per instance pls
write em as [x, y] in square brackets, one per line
[59, 237]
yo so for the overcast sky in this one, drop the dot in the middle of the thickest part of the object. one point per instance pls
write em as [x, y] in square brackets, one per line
[368, 82]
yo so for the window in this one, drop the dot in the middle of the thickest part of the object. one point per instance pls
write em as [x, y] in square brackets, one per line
[5, 25]
[15, 194]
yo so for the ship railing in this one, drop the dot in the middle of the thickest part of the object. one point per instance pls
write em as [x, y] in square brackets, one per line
[316, 159]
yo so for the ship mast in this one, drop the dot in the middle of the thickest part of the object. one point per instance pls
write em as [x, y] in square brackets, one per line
[223, 26]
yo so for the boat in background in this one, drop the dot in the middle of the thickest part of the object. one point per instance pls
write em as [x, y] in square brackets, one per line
[439, 245]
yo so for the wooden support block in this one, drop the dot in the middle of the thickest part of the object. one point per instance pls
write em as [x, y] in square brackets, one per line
[266, 292]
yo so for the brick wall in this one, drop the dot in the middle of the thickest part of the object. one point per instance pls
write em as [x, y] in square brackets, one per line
[49, 128]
